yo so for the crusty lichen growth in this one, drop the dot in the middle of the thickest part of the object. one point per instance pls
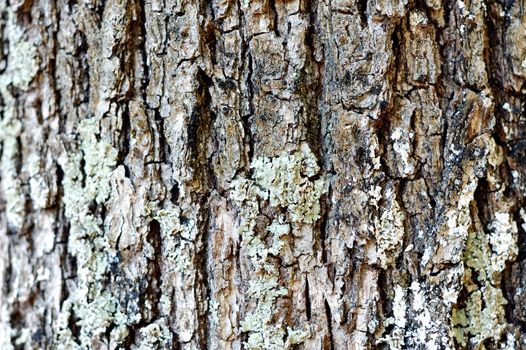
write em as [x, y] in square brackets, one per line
[86, 181]
[154, 336]
[388, 230]
[402, 146]
[11, 183]
[20, 71]
[395, 339]
[22, 66]
[22, 56]
[287, 182]
[176, 236]
[410, 305]
[485, 257]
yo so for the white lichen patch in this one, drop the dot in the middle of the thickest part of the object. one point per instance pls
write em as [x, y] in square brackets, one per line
[289, 182]
[523, 216]
[455, 231]
[389, 231]
[410, 304]
[5, 328]
[213, 312]
[395, 339]
[402, 145]
[503, 241]
[39, 190]
[11, 184]
[424, 333]
[485, 257]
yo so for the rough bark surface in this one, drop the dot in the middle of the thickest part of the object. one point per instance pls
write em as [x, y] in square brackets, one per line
[264, 174]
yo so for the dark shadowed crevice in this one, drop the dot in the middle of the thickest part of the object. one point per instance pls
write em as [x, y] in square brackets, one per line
[200, 124]
[311, 85]
[275, 17]
[174, 193]
[164, 148]
[202, 289]
[247, 119]
[200, 137]
[307, 298]
[324, 223]
[154, 290]
[362, 10]
[73, 326]
[124, 138]
[385, 302]
[246, 95]
[328, 316]
[145, 288]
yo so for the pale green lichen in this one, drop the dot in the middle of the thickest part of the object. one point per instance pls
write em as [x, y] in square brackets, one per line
[277, 229]
[297, 337]
[166, 305]
[154, 337]
[23, 64]
[22, 57]
[285, 182]
[94, 308]
[21, 68]
[482, 318]
[177, 237]
[96, 316]
[100, 159]
[213, 312]
[485, 257]
[289, 182]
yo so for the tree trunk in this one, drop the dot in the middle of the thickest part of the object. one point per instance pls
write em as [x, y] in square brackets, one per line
[267, 174]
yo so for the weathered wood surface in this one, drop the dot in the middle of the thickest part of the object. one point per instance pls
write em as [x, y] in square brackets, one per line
[267, 174]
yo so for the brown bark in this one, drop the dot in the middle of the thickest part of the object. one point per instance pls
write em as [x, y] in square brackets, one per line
[271, 174]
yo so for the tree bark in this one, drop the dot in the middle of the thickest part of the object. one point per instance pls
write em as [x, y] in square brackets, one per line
[267, 174]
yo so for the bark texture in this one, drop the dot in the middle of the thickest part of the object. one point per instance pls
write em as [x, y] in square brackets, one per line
[263, 174]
